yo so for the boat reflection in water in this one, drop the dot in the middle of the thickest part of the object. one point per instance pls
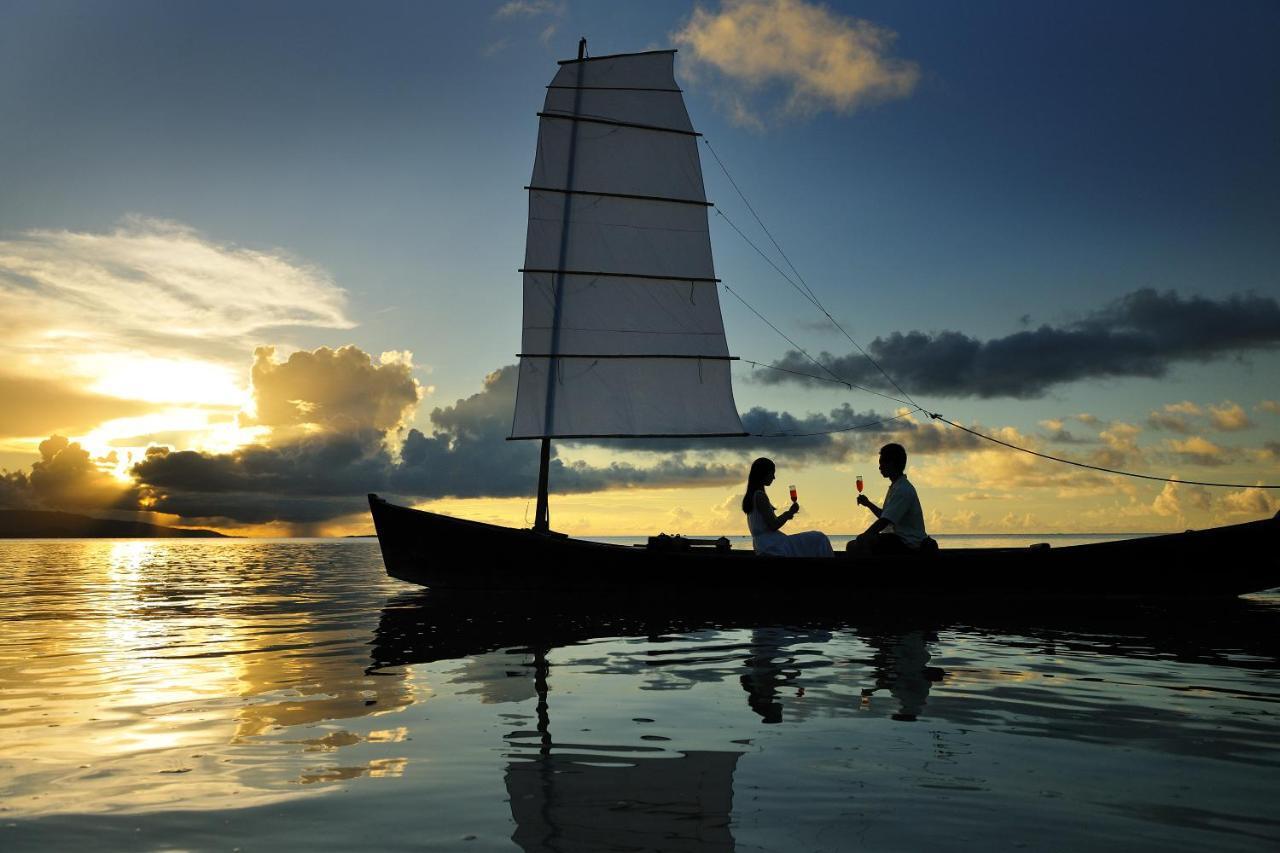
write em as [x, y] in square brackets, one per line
[583, 796]
[569, 792]
[826, 711]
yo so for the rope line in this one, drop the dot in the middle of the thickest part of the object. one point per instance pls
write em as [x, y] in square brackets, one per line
[812, 296]
[808, 291]
[835, 377]
[938, 417]
[768, 260]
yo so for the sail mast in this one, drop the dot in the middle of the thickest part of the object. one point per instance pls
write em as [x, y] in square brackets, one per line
[542, 515]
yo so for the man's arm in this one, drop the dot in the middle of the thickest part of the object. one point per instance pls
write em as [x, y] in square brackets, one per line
[876, 526]
[863, 500]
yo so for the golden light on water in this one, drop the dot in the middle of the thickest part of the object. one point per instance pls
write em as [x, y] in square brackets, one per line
[146, 680]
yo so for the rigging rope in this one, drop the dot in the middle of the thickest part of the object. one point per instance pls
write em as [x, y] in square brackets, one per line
[807, 292]
[938, 417]
[835, 377]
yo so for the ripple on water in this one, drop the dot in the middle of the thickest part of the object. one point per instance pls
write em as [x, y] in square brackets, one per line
[222, 693]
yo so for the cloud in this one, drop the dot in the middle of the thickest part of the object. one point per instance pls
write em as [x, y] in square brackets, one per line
[1166, 421]
[530, 9]
[15, 491]
[527, 11]
[330, 389]
[1177, 500]
[1198, 451]
[329, 416]
[812, 59]
[1229, 417]
[1272, 406]
[1120, 446]
[817, 437]
[66, 477]
[1253, 503]
[322, 457]
[152, 310]
[41, 405]
[469, 456]
[1141, 334]
[992, 467]
[334, 418]
[151, 274]
[1059, 434]
[1186, 407]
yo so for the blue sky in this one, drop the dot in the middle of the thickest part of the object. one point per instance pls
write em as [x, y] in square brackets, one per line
[1048, 159]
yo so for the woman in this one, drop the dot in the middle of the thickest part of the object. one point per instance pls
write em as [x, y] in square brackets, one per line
[765, 525]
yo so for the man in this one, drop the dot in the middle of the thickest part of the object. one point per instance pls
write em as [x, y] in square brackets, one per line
[899, 526]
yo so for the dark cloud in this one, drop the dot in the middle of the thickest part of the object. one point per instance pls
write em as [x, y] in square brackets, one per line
[325, 475]
[469, 456]
[316, 476]
[325, 464]
[809, 438]
[66, 477]
[335, 433]
[1065, 436]
[1141, 334]
[15, 491]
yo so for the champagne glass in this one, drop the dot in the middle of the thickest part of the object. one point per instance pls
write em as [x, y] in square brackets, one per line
[858, 483]
[793, 493]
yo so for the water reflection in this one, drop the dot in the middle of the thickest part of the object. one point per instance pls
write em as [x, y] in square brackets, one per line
[567, 793]
[589, 797]
[127, 661]
[192, 682]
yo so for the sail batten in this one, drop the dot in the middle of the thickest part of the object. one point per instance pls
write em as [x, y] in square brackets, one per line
[616, 123]
[699, 202]
[623, 335]
[614, 88]
[608, 274]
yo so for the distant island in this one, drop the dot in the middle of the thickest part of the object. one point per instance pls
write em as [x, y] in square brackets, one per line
[42, 524]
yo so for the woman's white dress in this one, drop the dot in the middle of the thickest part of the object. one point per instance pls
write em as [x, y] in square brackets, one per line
[775, 543]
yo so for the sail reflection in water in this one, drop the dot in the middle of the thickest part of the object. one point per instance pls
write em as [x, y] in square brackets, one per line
[209, 695]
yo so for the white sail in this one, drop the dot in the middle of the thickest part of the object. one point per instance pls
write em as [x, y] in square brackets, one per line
[622, 329]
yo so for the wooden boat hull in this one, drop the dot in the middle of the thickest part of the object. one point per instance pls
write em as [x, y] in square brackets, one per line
[442, 552]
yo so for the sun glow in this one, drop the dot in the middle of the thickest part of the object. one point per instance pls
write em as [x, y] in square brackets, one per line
[163, 380]
[211, 431]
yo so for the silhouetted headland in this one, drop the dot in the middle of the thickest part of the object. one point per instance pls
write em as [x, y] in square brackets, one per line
[43, 524]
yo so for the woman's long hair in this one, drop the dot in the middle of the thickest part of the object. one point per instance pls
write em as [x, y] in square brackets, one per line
[760, 471]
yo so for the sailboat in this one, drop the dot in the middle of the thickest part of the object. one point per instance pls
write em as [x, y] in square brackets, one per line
[623, 338]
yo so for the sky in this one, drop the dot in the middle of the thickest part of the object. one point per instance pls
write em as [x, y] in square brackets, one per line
[258, 260]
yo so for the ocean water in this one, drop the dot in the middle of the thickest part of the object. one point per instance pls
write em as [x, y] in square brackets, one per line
[287, 695]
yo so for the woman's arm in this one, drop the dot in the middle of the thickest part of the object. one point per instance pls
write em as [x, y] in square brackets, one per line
[772, 521]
